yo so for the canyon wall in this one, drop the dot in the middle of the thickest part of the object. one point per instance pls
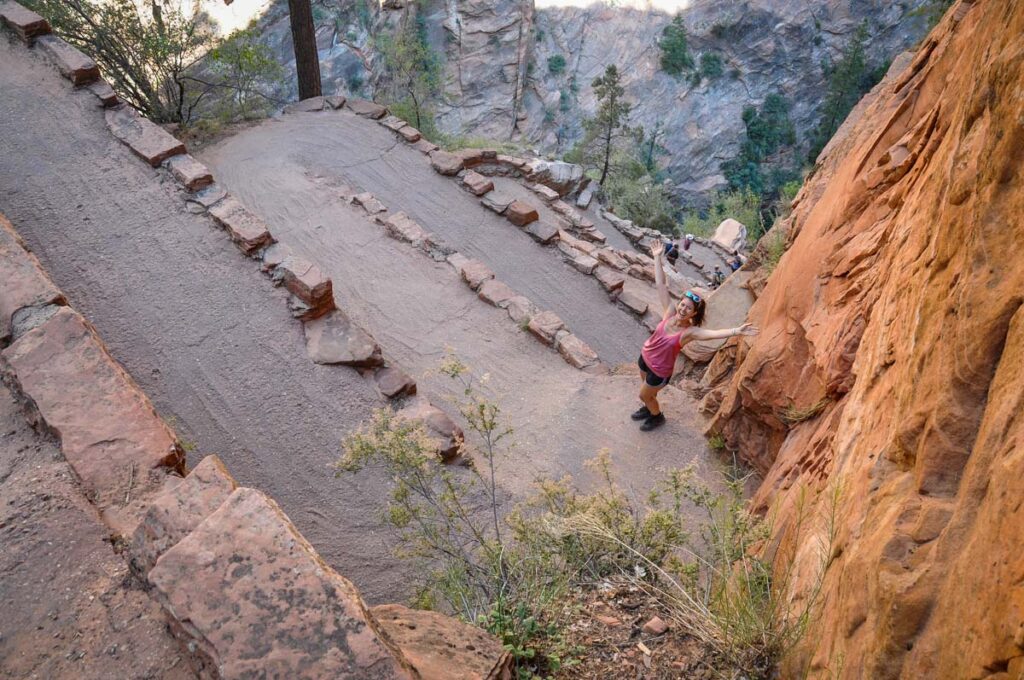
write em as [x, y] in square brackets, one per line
[887, 383]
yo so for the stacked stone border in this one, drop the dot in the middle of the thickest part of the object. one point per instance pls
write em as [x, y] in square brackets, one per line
[242, 589]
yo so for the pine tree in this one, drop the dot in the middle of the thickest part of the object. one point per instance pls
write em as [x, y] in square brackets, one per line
[611, 122]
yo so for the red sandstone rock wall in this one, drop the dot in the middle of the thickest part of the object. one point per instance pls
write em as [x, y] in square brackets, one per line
[897, 311]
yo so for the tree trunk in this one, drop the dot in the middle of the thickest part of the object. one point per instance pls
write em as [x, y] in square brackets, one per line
[307, 61]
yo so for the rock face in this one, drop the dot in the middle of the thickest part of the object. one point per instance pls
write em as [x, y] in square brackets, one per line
[887, 383]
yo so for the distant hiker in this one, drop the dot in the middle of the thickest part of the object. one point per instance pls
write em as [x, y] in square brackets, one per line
[679, 325]
[717, 277]
[735, 264]
[687, 241]
[671, 253]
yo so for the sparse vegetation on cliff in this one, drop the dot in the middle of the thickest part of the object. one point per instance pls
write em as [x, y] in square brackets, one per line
[675, 52]
[412, 74]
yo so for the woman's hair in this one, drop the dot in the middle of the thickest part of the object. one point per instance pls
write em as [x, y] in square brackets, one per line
[699, 309]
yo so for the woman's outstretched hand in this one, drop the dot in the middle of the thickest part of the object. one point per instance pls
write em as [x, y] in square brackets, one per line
[657, 249]
[747, 329]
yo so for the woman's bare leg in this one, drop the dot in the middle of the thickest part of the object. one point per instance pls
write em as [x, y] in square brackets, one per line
[649, 395]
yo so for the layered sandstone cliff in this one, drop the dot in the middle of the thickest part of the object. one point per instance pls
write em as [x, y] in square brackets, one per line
[890, 368]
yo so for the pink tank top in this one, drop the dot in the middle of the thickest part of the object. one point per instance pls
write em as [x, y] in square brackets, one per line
[660, 351]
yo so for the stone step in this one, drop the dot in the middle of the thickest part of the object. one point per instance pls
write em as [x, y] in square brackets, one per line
[252, 597]
[149, 141]
[25, 284]
[71, 63]
[26, 23]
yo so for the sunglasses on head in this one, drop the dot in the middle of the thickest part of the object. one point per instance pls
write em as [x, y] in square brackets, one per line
[693, 296]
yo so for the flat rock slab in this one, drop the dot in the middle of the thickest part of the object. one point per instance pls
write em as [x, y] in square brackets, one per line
[425, 146]
[102, 90]
[445, 435]
[520, 309]
[247, 230]
[335, 101]
[475, 273]
[585, 197]
[440, 646]
[593, 235]
[209, 196]
[393, 123]
[633, 302]
[457, 260]
[192, 174]
[409, 133]
[334, 339]
[608, 257]
[366, 109]
[610, 279]
[520, 213]
[26, 23]
[108, 430]
[176, 511]
[72, 64]
[445, 163]
[306, 105]
[477, 184]
[576, 352]
[273, 255]
[542, 232]
[402, 227]
[254, 598]
[307, 282]
[474, 157]
[496, 293]
[148, 140]
[547, 193]
[394, 383]
[23, 282]
[545, 327]
[496, 201]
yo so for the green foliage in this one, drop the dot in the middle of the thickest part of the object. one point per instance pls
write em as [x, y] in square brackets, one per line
[742, 205]
[675, 53]
[564, 101]
[711, 65]
[556, 64]
[608, 130]
[848, 80]
[412, 73]
[775, 246]
[244, 70]
[363, 14]
[145, 50]
[932, 11]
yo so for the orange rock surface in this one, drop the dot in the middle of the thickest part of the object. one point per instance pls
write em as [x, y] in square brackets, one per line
[889, 371]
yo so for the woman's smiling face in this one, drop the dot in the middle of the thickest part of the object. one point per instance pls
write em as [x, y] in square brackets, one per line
[685, 309]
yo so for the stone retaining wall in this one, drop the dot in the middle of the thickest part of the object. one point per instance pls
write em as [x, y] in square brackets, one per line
[243, 590]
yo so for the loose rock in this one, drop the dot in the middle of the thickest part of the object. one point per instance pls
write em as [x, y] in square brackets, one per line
[334, 339]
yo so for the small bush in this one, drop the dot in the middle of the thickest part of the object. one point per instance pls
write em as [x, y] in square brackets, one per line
[775, 248]
[556, 64]
[794, 414]
[711, 65]
[743, 206]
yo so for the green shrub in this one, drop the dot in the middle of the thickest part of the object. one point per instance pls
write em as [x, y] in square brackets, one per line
[711, 65]
[742, 205]
[556, 64]
[675, 52]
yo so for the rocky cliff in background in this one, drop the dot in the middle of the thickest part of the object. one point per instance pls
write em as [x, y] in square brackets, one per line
[497, 83]
[890, 369]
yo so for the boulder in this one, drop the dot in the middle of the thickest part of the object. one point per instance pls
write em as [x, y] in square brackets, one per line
[445, 435]
[306, 105]
[400, 226]
[308, 283]
[71, 63]
[520, 213]
[189, 172]
[496, 201]
[575, 351]
[496, 293]
[545, 327]
[25, 283]
[26, 23]
[109, 432]
[440, 646]
[425, 146]
[584, 263]
[369, 203]
[585, 197]
[177, 510]
[248, 594]
[335, 101]
[148, 140]
[610, 279]
[394, 383]
[730, 235]
[409, 134]
[445, 163]
[633, 302]
[542, 232]
[560, 176]
[610, 258]
[334, 339]
[247, 230]
[520, 309]
[546, 193]
[475, 273]
[366, 109]
[477, 184]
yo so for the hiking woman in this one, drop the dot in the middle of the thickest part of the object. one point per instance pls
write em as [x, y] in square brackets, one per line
[679, 325]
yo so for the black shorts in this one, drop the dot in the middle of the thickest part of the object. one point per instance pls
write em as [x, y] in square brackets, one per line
[650, 377]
